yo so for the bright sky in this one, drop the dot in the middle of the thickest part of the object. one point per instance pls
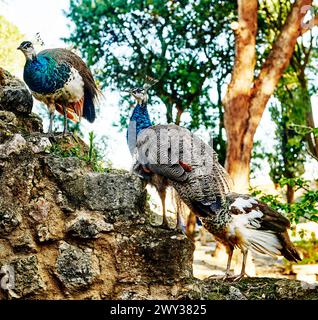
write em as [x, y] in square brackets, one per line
[47, 17]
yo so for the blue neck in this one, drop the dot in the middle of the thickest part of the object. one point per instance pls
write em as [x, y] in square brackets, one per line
[141, 117]
[138, 121]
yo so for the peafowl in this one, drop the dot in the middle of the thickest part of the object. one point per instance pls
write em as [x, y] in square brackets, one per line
[139, 121]
[60, 79]
[192, 168]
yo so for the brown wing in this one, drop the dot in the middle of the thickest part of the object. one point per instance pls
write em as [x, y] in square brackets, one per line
[270, 220]
[64, 55]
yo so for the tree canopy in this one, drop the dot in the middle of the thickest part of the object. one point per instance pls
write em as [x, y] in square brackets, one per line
[10, 36]
[183, 44]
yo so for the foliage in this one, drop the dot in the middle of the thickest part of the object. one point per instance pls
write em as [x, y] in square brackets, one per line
[184, 44]
[10, 37]
[306, 206]
[309, 251]
[91, 155]
[292, 106]
[289, 155]
[94, 156]
[259, 155]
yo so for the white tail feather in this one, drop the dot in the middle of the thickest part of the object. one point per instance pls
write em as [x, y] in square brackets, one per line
[265, 242]
[246, 227]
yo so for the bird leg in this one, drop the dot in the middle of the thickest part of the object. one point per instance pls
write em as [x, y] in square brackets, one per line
[51, 111]
[65, 121]
[179, 222]
[227, 274]
[165, 223]
[242, 274]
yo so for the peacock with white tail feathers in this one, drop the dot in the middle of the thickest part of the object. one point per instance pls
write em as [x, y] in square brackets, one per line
[60, 79]
[192, 168]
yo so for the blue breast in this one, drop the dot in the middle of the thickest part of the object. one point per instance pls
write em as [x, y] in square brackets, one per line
[44, 75]
[138, 121]
[141, 117]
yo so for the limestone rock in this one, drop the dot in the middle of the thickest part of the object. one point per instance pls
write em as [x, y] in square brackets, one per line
[13, 146]
[26, 280]
[14, 95]
[88, 225]
[249, 289]
[76, 268]
[67, 232]
[23, 243]
[9, 220]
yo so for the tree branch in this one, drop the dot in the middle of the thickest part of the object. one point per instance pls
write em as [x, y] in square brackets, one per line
[275, 65]
[312, 23]
[245, 55]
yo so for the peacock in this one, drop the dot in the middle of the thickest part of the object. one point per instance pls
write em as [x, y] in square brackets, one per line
[139, 121]
[192, 168]
[60, 78]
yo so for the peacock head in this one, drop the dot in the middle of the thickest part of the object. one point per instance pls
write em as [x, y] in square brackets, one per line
[140, 95]
[28, 50]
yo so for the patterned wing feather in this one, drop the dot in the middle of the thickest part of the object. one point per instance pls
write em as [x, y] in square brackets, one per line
[91, 92]
[170, 150]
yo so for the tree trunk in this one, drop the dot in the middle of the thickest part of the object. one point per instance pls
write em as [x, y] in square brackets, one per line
[190, 227]
[290, 194]
[246, 97]
[178, 116]
[237, 99]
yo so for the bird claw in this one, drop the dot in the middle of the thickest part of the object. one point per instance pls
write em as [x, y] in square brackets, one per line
[234, 278]
[51, 136]
[215, 277]
[228, 277]
[179, 229]
[165, 225]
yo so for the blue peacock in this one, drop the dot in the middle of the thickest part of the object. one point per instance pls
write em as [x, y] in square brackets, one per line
[139, 121]
[60, 78]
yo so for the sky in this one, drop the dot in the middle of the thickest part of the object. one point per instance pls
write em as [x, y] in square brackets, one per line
[47, 18]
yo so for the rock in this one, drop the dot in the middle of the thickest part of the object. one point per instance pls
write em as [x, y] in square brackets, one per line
[24, 243]
[40, 144]
[14, 95]
[155, 255]
[101, 192]
[249, 289]
[13, 146]
[235, 294]
[39, 209]
[26, 280]
[76, 268]
[9, 220]
[11, 124]
[88, 225]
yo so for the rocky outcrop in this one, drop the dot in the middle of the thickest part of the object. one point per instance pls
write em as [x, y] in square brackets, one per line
[67, 232]
[14, 96]
[250, 289]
